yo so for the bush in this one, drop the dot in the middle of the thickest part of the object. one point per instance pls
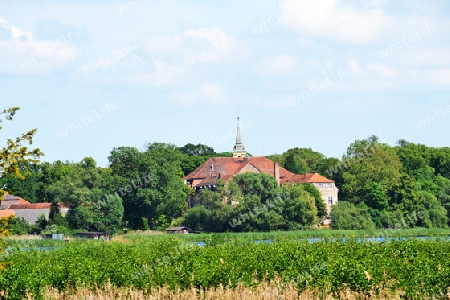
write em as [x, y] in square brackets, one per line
[345, 215]
[19, 226]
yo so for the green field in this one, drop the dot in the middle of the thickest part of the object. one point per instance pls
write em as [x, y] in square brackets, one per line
[144, 261]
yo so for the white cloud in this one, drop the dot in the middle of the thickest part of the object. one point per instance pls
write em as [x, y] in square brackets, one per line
[326, 19]
[16, 33]
[218, 39]
[281, 64]
[21, 52]
[188, 45]
[206, 94]
[383, 70]
[107, 61]
[431, 57]
[354, 66]
[163, 44]
[439, 77]
[163, 60]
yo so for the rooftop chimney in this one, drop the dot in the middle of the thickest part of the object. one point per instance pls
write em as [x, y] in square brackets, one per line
[276, 172]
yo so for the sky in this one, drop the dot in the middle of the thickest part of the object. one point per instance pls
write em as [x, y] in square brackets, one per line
[94, 75]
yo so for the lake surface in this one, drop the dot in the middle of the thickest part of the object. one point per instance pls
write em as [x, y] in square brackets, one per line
[365, 239]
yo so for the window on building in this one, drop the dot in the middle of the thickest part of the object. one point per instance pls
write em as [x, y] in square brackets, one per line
[320, 185]
[330, 200]
[330, 185]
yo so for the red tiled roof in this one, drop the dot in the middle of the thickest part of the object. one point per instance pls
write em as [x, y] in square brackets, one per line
[4, 213]
[30, 206]
[227, 167]
[309, 178]
[265, 165]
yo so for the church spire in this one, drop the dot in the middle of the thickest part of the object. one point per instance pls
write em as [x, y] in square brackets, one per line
[239, 148]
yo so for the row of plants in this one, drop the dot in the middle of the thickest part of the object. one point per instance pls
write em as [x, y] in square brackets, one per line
[413, 267]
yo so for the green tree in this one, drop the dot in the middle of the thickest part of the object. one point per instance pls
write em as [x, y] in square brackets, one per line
[16, 153]
[19, 226]
[370, 161]
[346, 216]
[210, 214]
[197, 150]
[257, 184]
[92, 204]
[160, 190]
[26, 187]
[12, 156]
[264, 206]
[435, 215]
[301, 160]
[299, 207]
[320, 204]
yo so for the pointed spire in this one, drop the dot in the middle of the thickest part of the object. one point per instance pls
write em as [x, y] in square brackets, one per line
[238, 135]
[239, 148]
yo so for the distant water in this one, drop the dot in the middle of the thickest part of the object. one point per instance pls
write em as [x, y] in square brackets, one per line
[366, 239]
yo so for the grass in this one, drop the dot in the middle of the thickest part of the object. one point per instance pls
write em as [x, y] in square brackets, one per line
[299, 234]
[266, 290]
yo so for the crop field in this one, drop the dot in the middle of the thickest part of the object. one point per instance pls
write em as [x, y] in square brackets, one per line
[168, 267]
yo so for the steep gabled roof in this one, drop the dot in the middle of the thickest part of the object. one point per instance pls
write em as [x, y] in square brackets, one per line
[226, 168]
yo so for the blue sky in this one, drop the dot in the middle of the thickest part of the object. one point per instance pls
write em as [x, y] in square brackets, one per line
[92, 76]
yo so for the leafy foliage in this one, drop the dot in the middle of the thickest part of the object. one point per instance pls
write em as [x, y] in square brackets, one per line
[346, 215]
[420, 269]
[15, 152]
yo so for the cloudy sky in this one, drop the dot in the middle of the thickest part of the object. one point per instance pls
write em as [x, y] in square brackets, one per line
[92, 76]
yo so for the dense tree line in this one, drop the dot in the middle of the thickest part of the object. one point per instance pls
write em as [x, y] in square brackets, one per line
[380, 186]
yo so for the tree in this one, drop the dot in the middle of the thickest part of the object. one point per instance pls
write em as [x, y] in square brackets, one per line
[435, 213]
[15, 152]
[19, 226]
[346, 216]
[160, 193]
[194, 155]
[23, 187]
[369, 161]
[320, 204]
[264, 206]
[91, 198]
[12, 156]
[301, 160]
[210, 214]
[257, 184]
[48, 174]
[197, 150]
[299, 207]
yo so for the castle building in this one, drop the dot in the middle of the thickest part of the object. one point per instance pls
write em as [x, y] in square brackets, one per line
[225, 168]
